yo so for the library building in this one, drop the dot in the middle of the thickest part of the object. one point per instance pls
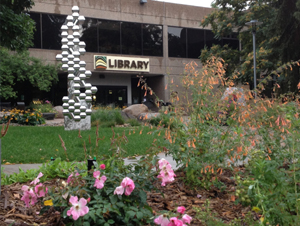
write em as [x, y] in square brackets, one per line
[124, 39]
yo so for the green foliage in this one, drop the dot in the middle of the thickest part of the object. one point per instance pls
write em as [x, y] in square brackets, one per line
[274, 46]
[16, 26]
[165, 120]
[23, 117]
[133, 122]
[107, 117]
[45, 107]
[20, 67]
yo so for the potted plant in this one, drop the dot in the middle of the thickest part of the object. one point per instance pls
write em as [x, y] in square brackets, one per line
[45, 108]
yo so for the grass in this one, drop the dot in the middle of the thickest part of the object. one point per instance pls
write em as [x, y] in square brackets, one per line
[27, 144]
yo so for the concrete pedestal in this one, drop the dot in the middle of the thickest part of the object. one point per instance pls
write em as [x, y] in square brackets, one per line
[83, 124]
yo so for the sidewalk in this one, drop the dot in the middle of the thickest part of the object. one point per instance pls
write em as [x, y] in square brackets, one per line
[14, 168]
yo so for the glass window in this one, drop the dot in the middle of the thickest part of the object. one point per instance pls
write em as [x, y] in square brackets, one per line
[177, 42]
[210, 39]
[90, 34]
[37, 33]
[109, 36]
[51, 34]
[131, 38]
[232, 43]
[152, 40]
[195, 42]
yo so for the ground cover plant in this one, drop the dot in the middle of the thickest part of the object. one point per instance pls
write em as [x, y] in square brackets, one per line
[38, 144]
[106, 116]
[23, 117]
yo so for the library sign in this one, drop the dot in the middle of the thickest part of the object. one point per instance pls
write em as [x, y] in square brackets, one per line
[116, 63]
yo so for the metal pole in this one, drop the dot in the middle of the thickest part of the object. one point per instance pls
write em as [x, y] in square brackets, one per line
[254, 60]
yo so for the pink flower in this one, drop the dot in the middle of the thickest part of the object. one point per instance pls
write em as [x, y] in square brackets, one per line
[102, 166]
[175, 222]
[78, 209]
[181, 209]
[119, 190]
[40, 190]
[37, 180]
[166, 174]
[99, 183]
[186, 219]
[162, 163]
[29, 197]
[127, 185]
[70, 179]
[161, 220]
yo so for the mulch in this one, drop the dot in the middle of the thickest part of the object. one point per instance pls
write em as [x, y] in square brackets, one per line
[178, 193]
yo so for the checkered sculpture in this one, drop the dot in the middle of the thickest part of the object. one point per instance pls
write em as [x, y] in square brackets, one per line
[74, 104]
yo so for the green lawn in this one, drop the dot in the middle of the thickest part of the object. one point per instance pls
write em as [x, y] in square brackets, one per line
[29, 144]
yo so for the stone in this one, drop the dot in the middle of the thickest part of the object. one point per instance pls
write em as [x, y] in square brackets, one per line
[83, 124]
[59, 110]
[135, 110]
[147, 116]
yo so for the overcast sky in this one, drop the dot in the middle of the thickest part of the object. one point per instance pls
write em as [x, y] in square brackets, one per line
[203, 3]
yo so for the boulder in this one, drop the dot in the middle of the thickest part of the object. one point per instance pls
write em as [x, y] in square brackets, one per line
[59, 110]
[135, 110]
[147, 116]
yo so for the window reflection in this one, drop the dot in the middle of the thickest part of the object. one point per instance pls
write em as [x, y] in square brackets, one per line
[195, 42]
[152, 40]
[177, 41]
[51, 34]
[37, 33]
[131, 38]
[109, 36]
[90, 34]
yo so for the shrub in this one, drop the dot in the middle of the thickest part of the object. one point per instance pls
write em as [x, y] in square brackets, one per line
[43, 106]
[107, 117]
[133, 122]
[23, 117]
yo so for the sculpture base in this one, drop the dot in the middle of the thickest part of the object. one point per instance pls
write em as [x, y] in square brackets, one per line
[83, 124]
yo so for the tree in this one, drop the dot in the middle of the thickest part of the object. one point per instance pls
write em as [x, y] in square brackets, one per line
[276, 39]
[16, 27]
[20, 67]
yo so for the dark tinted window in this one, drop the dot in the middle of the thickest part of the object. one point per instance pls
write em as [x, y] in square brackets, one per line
[109, 36]
[177, 41]
[90, 34]
[232, 43]
[195, 42]
[210, 39]
[37, 33]
[131, 38]
[51, 34]
[152, 40]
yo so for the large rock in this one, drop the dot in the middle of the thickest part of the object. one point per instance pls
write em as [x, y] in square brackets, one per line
[135, 110]
[59, 110]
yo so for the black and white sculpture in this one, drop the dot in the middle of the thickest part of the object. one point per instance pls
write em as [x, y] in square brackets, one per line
[77, 105]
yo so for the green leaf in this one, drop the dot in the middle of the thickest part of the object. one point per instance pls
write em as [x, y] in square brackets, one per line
[110, 221]
[130, 213]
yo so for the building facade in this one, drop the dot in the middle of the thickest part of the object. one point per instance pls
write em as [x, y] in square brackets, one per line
[125, 39]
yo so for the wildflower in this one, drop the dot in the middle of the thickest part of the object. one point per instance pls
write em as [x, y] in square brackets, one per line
[48, 203]
[161, 220]
[99, 183]
[127, 185]
[186, 219]
[181, 209]
[102, 166]
[166, 174]
[79, 208]
[29, 197]
[174, 221]
[37, 180]
[70, 179]
[40, 190]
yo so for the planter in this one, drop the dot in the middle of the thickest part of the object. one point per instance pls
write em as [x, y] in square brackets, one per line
[48, 116]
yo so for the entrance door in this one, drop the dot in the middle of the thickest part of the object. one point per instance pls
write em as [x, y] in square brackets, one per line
[115, 95]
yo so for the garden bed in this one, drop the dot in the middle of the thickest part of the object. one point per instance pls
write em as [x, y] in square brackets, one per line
[211, 202]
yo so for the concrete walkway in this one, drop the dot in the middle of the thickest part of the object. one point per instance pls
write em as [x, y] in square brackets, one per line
[14, 168]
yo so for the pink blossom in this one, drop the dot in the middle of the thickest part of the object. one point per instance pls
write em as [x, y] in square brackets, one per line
[102, 166]
[29, 197]
[174, 221]
[128, 184]
[40, 190]
[119, 190]
[186, 219]
[166, 174]
[70, 179]
[79, 208]
[37, 180]
[99, 183]
[161, 220]
[181, 209]
[162, 163]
